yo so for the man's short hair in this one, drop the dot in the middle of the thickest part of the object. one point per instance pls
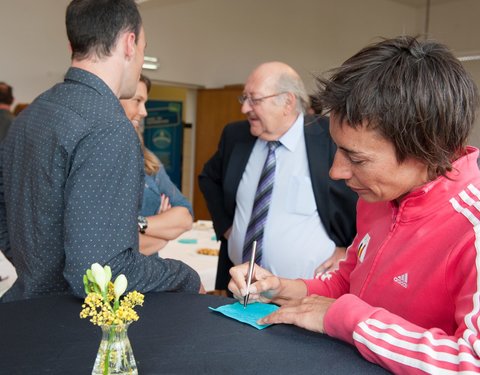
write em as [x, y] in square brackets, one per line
[6, 93]
[414, 93]
[93, 26]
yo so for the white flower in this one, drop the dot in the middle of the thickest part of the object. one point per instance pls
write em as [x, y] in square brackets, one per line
[120, 286]
[98, 273]
[108, 274]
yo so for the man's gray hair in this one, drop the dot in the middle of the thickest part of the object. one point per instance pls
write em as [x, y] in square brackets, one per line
[294, 84]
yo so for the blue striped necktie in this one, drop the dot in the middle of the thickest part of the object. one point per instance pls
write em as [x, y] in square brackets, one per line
[261, 205]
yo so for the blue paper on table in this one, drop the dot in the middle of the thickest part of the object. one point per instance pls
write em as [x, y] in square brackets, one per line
[250, 314]
[187, 240]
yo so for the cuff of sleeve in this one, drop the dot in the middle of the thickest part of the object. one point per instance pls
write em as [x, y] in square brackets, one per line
[344, 315]
[313, 287]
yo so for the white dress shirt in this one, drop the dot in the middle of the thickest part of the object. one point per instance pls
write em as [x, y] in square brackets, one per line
[295, 241]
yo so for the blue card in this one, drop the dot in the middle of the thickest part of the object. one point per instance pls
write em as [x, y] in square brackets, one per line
[250, 314]
[187, 240]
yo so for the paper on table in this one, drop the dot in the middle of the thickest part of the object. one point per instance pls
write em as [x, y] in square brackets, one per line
[249, 315]
[188, 240]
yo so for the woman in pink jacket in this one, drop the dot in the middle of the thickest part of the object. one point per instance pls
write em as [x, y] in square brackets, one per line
[407, 294]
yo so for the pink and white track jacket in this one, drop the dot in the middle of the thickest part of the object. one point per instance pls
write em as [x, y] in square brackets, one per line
[408, 292]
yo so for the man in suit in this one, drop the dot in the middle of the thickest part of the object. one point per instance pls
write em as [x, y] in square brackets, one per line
[311, 218]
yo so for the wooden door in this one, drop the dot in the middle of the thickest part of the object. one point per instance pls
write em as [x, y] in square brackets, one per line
[215, 109]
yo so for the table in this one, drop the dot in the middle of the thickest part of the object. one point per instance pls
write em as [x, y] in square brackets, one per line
[185, 248]
[176, 334]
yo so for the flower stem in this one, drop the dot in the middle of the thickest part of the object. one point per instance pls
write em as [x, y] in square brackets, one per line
[106, 366]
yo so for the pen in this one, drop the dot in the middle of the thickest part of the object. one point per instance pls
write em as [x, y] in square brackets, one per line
[251, 265]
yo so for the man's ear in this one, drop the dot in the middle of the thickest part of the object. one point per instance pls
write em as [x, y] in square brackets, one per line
[129, 44]
[290, 101]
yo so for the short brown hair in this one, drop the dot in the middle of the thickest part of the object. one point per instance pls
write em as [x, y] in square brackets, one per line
[414, 93]
[6, 93]
[93, 26]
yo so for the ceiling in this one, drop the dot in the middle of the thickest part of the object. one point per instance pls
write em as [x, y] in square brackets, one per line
[413, 3]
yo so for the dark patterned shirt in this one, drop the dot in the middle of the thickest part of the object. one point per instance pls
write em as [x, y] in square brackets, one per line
[6, 118]
[73, 181]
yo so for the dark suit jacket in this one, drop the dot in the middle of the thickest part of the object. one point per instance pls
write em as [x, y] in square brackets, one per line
[219, 179]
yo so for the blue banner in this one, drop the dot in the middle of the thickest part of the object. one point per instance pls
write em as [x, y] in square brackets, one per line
[164, 136]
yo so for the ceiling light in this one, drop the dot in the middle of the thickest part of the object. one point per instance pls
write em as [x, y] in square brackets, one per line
[150, 63]
[469, 58]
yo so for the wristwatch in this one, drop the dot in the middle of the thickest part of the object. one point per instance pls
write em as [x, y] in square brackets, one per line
[142, 224]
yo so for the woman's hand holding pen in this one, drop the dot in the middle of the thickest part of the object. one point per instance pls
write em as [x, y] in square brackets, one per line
[264, 286]
[297, 308]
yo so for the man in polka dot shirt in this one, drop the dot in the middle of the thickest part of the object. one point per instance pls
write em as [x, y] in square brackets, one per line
[72, 167]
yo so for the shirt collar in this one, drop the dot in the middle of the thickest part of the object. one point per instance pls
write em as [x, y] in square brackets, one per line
[89, 79]
[290, 139]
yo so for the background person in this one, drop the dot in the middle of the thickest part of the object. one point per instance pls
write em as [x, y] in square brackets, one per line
[72, 167]
[6, 116]
[19, 107]
[311, 218]
[167, 211]
[407, 294]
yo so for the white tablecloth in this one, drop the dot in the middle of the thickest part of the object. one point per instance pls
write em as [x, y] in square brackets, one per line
[8, 275]
[185, 248]
[201, 236]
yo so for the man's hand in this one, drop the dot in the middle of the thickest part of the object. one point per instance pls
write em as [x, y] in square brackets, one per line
[331, 263]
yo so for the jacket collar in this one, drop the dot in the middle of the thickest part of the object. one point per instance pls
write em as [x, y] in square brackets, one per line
[428, 198]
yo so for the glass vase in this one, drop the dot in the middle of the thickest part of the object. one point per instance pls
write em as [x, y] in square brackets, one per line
[115, 355]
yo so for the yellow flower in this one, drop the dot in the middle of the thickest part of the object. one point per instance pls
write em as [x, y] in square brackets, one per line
[103, 303]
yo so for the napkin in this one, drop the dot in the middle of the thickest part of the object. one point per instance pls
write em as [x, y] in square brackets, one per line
[187, 240]
[249, 315]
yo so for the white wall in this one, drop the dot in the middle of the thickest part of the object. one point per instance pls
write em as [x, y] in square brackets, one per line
[217, 42]
[456, 24]
[34, 44]
[205, 42]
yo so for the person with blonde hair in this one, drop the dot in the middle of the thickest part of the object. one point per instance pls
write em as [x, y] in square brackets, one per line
[166, 213]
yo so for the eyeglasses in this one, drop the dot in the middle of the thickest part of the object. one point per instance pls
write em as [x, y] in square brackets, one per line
[255, 101]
